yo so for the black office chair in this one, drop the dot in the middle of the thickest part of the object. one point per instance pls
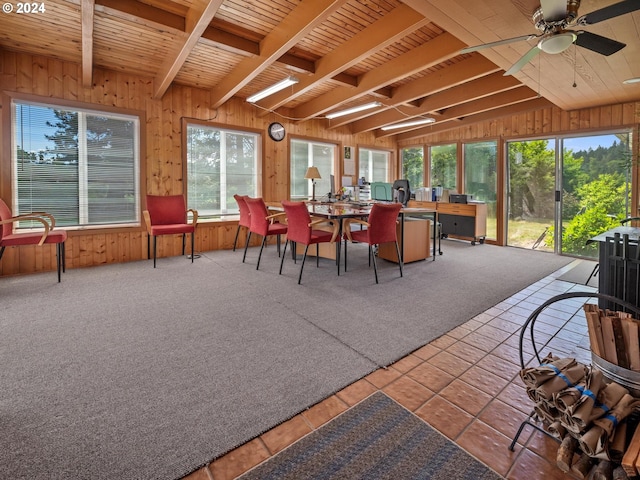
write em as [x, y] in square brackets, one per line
[401, 191]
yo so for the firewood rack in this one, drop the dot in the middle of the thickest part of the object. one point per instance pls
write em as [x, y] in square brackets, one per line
[530, 325]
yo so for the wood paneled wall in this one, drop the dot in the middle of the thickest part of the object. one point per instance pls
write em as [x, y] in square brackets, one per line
[163, 174]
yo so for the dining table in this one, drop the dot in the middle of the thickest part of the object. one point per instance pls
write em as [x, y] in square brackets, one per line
[342, 210]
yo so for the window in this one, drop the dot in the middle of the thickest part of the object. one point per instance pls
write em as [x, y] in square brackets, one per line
[413, 166]
[82, 166]
[444, 166]
[374, 165]
[220, 163]
[305, 154]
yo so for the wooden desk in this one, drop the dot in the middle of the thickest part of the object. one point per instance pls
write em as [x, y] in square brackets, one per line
[460, 220]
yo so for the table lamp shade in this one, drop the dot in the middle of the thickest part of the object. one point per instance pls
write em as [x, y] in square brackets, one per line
[312, 173]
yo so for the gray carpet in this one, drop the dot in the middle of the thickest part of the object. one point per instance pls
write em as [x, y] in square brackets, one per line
[125, 371]
[374, 440]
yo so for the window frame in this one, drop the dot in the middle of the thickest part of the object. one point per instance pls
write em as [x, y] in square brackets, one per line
[335, 170]
[8, 182]
[390, 170]
[228, 128]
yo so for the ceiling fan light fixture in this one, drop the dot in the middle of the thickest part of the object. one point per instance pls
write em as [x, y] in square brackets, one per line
[557, 43]
[349, 111]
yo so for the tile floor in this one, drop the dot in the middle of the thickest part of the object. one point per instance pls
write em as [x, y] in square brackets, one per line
[465, 384]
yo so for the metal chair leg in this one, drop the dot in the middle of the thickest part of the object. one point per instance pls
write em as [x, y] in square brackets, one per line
[246, 245]
[304, 257]
[400, 259]
[284, 252]
[264, 240]
[375, 265]
[154, 250]
[235, 240]
[58, 259]
[193, 245]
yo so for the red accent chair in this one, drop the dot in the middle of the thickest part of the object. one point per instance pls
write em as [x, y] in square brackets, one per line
[381, 228]
[10, 239]
[301, 231]
[263, 224]
[245, 220]
[168, 215]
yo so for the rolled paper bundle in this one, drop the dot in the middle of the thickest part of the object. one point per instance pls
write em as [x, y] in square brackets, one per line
[563, 379]
[536, 376]
[578, 419]
[557, 430]
[594, 381]
[619, 412]
[608, 398]
[546, 412]
[569, 396]
[593, 441]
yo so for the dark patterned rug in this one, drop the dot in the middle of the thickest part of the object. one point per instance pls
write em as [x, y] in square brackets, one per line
[376, 439]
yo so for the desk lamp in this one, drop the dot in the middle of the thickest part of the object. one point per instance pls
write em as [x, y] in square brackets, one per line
[312, 174]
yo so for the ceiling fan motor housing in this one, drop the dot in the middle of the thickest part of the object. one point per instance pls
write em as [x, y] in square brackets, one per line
[547, 25]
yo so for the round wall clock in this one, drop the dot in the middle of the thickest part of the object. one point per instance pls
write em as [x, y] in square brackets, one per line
[277, 131]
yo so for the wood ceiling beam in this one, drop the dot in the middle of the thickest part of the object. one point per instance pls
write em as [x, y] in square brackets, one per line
[491, 102]
[420, 58]
[141, 13]
[465, 92]
[198, 18]
[87, 9]
[392, 27]
[469, 69]
[295, 26]
[506, 111]
[216, 33]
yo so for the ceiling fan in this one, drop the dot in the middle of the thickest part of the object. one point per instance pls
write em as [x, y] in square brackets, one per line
[554, 18]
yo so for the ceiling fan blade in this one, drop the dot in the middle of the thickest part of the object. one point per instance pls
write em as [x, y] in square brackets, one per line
[526, 58]
[598, 43]
[553, 10]
[496, 43]
[611, 11]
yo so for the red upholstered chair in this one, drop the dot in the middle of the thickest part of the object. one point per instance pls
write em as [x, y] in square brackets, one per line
[245, 220]
[381, 228]
[49, 235]
[263, 224]
[167, 215]
[300, 230]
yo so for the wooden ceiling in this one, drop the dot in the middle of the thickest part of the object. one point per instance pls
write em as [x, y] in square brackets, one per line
[403, 54]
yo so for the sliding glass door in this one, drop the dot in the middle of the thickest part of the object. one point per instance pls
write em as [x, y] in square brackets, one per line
[531, 174]
[559, 198]
[596, 188]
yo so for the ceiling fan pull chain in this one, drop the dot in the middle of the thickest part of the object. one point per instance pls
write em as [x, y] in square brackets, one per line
[574, 66]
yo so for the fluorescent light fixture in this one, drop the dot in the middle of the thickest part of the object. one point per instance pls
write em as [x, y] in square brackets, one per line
[276, 87]
[351, 110]
[411, 123]
[629, 81]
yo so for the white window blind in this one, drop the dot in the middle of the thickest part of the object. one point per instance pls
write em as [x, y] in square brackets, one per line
[306, 154]
[82, 166]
